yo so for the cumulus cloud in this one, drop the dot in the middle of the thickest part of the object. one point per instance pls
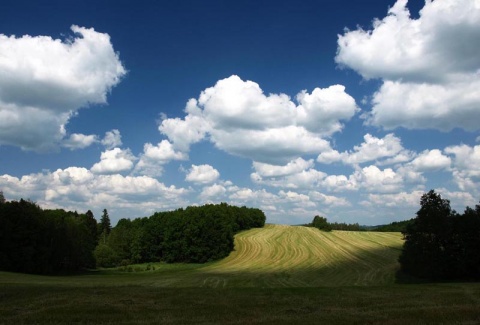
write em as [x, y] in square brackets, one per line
[410, 201]
[79, 141]
[215, 191]
[296, 174]
[240, 119]
[430, 65]
[112, 139]
[202, 174]
[294, 197]
[371, 149]
[328, 200]
[114, 161]
[247, 196]
[431, 160]
[153, 159]
[373, 179]
[400, 199]
[338, 183]
[293, 167]
[186, 132]
[370, 179]
[80, 189]
[45, 81]
[466, 167]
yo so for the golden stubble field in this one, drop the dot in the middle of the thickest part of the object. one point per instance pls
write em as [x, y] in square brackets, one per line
[289, 256]
[275, 256]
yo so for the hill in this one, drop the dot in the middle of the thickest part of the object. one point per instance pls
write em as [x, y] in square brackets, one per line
[278, 255]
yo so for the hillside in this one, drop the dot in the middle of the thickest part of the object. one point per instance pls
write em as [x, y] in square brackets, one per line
[278, 255]
[273, 256]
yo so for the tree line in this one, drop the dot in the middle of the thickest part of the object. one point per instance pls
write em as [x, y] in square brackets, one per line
[191, 235]
[441, 244]
[323, 224]
[34, 240]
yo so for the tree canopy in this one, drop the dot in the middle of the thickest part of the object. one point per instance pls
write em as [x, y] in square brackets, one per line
[33, 240]
[191, 235]
[441, 244]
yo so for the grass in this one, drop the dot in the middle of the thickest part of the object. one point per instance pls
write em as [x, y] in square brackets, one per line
[276, 275]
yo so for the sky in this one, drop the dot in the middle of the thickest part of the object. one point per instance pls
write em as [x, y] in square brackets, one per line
[346, 109]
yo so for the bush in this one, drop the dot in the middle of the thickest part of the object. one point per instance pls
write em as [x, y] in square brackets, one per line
[105, 256]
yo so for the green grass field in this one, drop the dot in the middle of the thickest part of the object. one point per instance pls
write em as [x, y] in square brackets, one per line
[278, 274]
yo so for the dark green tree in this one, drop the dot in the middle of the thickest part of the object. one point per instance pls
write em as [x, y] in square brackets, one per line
[427, 251]
[104, 227]
[92, 226]
[321, 223]
[2, 198]
[33, 240]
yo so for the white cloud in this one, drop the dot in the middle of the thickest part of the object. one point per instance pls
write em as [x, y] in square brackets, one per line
[277, 145]
[114, 161]
[374, 179]
[337, 183]
[431, 160]
[293, 167]
[458, 200]
[44, 82]
[154, 157]
[294, 196]
[371, 149]
[247, 196]
[243, 195]
[112, 139]
[185, 132]
[429, 65]
[400, 199]
[328, 200]
[202, 174]
[296, 174]
[213, 191]
[466, 167]
[427, 106]
[79, 141]
[76, 188]
[241, 120]
[411, 175]
[370, 178]
[323, 109]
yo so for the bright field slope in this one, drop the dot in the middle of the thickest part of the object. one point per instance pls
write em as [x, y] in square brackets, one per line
[277, 256]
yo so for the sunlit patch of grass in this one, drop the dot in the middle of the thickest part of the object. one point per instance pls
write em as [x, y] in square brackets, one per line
[300, 256]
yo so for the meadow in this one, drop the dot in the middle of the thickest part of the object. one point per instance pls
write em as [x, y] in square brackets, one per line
[276, 274]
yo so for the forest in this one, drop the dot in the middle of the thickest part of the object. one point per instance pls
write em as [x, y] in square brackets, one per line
[34, 240]
[323, 224]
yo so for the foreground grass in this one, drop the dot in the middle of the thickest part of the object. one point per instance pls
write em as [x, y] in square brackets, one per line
[397, 304]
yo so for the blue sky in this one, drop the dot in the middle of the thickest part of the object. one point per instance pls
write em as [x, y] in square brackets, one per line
[345, 109]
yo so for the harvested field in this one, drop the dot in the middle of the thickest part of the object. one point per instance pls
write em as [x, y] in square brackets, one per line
[275, 256]
[279, 256]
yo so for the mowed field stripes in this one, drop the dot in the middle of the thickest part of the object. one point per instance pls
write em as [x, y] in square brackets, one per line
[292, 256]
[275, 256]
